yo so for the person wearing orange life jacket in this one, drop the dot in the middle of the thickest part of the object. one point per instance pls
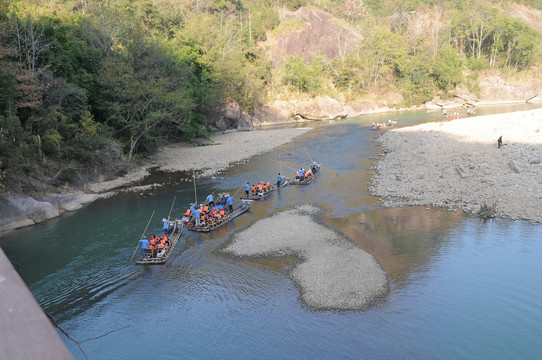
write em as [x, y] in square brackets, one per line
[269, 187]
[152, 249]
[298, 175]
[253, 190]
[153, 240]
[217, 215]
[188, 212]
[205, 209]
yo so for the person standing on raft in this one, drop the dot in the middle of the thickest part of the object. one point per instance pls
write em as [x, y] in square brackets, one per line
[144, 245]
[247, 189]
[229, 202]
[210, 200]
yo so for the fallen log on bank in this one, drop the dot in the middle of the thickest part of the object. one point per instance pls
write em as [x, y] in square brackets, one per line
[313, 118]
[529, 99]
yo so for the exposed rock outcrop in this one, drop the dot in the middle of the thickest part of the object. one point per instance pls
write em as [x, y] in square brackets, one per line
[21, 210]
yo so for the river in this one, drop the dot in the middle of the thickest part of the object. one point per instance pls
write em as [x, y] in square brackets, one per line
[461, 288]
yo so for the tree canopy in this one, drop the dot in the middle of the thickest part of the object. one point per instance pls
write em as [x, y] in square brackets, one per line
[84, 81]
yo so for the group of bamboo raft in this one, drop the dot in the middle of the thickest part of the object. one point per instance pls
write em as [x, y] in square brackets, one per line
[215, 216]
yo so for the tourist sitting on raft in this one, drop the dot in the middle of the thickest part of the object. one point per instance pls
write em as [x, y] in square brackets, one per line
[314, 167]
[155, 247]
[204, 215]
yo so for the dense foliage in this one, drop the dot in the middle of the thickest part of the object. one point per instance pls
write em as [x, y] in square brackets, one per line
[83, 82]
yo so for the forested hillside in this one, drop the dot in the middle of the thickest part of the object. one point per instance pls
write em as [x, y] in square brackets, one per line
[87, 87]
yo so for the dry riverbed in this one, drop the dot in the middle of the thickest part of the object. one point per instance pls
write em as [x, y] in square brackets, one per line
[458, 164]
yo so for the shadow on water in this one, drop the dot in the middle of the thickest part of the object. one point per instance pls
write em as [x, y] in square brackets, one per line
[402, 239]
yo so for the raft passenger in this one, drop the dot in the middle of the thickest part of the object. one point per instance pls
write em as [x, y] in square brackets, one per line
[230, 203]
[144, 246]
[210, 200]
[247, 188]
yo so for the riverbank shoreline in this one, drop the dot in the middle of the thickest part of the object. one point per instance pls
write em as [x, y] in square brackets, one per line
[458, 164]
[208, 159]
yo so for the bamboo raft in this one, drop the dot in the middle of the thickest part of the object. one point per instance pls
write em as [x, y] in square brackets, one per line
[261, 196]
[175, 234]
[242, 208]
[307, 180]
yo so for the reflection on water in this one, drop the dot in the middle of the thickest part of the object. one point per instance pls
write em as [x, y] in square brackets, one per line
[461, 288]
[402, 239]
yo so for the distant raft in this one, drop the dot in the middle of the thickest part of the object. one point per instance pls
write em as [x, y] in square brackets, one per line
[215, 224]
[260, 195]
[153, 257]
[307, 179]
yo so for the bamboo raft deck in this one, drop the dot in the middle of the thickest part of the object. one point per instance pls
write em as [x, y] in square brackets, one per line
[257, 196]
[239, 210]
[175, 234]
[307, 180]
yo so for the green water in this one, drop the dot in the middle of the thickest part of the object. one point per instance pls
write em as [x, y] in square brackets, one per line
[460, 288]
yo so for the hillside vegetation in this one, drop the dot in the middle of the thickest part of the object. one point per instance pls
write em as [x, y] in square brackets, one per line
[87, 87]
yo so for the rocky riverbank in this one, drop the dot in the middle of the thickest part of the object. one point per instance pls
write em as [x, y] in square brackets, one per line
[459, 164]
[217, 154]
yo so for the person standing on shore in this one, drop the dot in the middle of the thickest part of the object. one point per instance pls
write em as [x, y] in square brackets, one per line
[499, 142]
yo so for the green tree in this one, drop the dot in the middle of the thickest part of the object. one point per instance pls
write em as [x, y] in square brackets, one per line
[384, 52]
[305, 78]
[447, 68]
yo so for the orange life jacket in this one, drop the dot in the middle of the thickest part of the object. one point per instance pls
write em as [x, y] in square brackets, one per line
[188, 212]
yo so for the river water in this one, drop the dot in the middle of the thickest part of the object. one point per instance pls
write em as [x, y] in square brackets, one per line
[461, 288]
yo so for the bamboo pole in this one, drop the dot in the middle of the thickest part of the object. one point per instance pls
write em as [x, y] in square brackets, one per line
[144, 231]
[169, 215]
[238, 191]
[195, 191]
[308, 155]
